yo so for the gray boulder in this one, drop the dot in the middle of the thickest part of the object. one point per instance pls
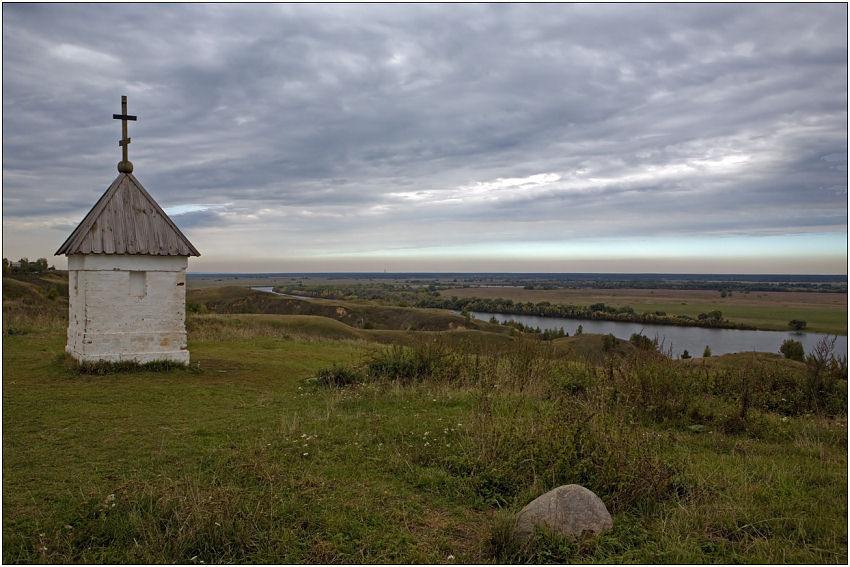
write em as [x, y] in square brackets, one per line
[571, 510]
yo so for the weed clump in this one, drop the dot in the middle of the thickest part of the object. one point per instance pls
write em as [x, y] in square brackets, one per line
[338, 376]
[102, 367]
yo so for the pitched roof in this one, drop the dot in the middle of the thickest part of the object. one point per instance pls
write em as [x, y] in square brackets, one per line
[126, 220]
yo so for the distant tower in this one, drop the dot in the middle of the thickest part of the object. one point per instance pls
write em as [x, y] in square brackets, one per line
[127, 275]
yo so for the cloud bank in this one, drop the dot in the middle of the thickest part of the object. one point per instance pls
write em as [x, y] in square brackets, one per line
[501, 137]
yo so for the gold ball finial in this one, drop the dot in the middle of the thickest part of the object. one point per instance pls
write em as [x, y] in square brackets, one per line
[125, 167]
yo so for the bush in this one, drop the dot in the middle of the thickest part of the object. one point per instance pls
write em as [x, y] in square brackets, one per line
[707, 352]
[823, 376]
[195, 307]
[643, 342]
[797, 324]
[792, 349]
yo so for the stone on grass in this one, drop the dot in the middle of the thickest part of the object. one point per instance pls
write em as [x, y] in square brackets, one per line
[570, 510]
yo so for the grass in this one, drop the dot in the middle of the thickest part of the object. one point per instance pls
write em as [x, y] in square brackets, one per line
[298, 439]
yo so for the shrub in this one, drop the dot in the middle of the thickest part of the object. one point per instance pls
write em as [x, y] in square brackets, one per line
[824, 373]
[792, 349]
[195, 307]
[707, 352]
[406, 364]
[797, 324]
[643, 342]
[661, 390]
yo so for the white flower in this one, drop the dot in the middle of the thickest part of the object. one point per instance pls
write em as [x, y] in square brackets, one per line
[305, 454]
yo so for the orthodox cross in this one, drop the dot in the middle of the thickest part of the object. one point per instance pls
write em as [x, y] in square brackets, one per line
[125, 166]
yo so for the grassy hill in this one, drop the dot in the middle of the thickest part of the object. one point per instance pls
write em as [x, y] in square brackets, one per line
[357, 315]
[298, 437]
[35, 301]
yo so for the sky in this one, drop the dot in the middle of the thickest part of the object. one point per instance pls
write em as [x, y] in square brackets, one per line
[649, 138]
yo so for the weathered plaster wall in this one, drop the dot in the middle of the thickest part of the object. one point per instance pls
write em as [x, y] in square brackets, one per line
[127, 307]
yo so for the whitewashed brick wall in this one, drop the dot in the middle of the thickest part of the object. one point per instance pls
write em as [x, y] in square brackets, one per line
[127, 307]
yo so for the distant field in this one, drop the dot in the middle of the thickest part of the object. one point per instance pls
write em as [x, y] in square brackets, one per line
[824, 312]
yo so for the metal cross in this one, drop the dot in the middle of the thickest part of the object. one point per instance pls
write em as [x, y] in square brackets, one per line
[125, 166]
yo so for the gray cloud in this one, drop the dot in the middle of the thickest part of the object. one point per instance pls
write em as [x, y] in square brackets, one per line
[366, 121]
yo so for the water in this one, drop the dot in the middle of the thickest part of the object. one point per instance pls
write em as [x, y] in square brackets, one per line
[678, 339]
[270, 289]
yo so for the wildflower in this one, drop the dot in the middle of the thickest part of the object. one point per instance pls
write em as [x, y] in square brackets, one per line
[427, 444]
[305, 454]
[450, 558]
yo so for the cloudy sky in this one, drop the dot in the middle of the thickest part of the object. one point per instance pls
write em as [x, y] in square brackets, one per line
[440, 137]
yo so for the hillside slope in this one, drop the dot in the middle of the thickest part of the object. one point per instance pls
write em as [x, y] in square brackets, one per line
[359, 316]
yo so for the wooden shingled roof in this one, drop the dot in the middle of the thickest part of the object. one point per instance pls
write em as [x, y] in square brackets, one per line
[126, 220]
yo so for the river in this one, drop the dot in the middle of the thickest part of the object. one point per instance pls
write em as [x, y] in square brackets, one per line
[678, 339]
[672, 338]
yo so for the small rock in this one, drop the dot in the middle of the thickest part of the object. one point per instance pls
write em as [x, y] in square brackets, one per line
[571, 510]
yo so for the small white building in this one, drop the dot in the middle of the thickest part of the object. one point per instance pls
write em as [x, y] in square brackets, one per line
[127, 278]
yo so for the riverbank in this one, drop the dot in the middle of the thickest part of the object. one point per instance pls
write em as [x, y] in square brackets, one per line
[762, 310]
[677, 339]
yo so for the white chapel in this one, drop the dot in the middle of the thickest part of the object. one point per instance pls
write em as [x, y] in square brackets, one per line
[127, 275]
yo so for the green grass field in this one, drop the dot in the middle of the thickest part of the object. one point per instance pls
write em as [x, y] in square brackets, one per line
[306, 433]
[245, 458]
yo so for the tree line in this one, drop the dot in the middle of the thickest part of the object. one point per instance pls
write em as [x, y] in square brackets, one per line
[24, 266]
